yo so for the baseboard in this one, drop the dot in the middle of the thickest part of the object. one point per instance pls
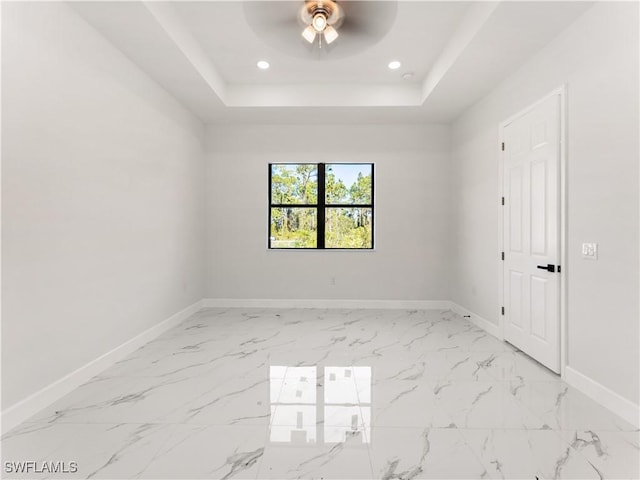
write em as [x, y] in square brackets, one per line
[24, 409]
[598, 392]
[619, 405]
[326, 303]
[477, 320]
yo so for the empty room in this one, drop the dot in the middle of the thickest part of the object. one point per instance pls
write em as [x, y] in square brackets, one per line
[320, 239]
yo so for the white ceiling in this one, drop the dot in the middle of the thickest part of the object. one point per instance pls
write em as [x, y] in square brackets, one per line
[204, 53]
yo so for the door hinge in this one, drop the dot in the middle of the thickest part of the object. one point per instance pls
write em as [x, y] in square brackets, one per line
[558, 268]
[502, 310]
[503, 146]
[502, 255]
[502, 200]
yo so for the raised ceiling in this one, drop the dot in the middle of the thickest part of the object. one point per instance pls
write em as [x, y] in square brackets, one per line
[204, 53]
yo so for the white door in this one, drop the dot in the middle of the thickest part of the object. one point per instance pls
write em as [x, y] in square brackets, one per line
[531, 229]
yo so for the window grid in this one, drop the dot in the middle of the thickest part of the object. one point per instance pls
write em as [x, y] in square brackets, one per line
[321, 207]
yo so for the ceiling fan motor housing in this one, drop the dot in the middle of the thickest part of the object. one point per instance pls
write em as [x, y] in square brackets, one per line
[321, 13]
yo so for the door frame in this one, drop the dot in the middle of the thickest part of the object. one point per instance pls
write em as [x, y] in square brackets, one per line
[562, 261]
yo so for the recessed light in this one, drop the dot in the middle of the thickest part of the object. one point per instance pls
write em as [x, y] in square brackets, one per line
[394, 65]
[263, 64]
[407, 76]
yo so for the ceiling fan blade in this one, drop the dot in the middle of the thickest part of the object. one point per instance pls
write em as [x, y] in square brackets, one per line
[368, 17]
[337, 15]
[270, 12]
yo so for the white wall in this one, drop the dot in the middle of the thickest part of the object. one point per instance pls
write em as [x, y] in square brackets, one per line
[410, 261]
[597, 58]
[102, 198]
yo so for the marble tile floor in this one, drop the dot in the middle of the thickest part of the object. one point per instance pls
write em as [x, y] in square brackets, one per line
[326, 394]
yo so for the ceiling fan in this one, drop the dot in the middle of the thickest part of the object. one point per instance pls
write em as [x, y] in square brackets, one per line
[360, 24]
[322, 17]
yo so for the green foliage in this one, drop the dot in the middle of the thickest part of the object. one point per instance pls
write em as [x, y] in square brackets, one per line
[335, 190]
[348, 228]
[293, 227]
[294, 184]
[361, 190]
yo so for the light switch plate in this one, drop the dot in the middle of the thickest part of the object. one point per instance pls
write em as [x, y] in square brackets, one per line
[590, 251]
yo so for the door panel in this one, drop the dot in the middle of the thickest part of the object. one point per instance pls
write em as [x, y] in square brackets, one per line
[515, 209]
[531, 232]
[538, 302]
[539, 135]
[539, 208]
[515, 299]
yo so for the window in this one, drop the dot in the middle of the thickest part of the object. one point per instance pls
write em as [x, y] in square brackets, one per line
[321, 205]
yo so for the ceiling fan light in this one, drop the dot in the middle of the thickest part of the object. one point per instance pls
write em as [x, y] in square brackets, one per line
[319, 22]
[330, 34]
[309, 34]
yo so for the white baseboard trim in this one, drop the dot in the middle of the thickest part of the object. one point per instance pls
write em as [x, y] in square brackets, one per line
[477, 320]
[619, 405]
[24, 409]
[598, 392]
[326, 303]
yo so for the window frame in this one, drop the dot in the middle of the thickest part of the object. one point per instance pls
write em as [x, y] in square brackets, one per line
[322, 206]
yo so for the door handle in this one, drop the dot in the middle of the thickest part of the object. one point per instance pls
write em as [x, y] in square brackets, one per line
[548, 267]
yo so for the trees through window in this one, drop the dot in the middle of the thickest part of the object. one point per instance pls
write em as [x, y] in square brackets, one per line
[321, 205]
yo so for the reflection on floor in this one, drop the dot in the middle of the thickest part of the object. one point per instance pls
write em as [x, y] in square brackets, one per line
[247, 393]
[320, 404]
